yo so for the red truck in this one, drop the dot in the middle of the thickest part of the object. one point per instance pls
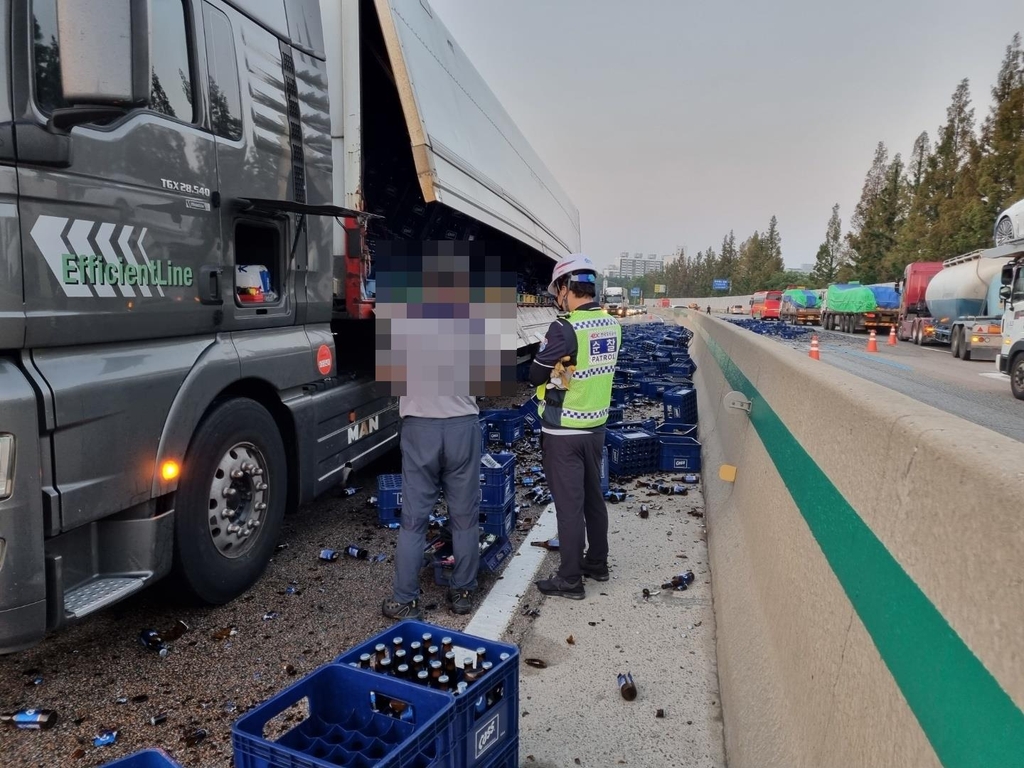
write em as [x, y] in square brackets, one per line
[913, 308]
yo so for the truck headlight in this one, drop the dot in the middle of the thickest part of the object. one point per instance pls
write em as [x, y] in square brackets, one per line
[6, 465]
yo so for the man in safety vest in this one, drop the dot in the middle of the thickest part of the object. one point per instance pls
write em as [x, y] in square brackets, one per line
[573, 373]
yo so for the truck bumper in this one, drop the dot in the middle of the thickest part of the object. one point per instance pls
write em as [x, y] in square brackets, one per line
[1001, 363]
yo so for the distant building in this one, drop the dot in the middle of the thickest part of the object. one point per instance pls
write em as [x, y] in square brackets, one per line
[639, 265]
[804, 268]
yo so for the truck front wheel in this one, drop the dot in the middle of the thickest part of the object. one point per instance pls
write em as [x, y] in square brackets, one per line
[1017, 376]
[230, 502]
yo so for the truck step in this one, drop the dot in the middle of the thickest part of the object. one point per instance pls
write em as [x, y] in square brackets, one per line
[99, 593]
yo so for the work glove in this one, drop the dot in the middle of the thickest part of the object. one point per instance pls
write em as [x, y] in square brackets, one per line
[561, 374]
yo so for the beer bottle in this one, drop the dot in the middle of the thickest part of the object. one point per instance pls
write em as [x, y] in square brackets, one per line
[31, 719]
[397, 643]
[385, 667]
[449, 663]
[414, 647]
[364, 660]
[381, 651]
[444, 683]
[446, 645]
[433, 653]
[354, 550]
[504, 657]
[427, 638]
[403, 671]
[644, 512]
[400, 656]
[627, 687]
[423, 677]
[418, 662]
[481, 652]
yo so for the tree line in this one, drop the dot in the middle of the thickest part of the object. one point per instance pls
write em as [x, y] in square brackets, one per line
[939, 203]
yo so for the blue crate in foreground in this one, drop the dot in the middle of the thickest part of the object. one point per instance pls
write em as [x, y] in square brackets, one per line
[497, 479]
[505, 426]
[678, 428]
[486, 716]
[490, 560]
[499, 521]
[681, 405]
[350, 724]
[531, 418]
[507, 758]
[389, 499]
[147, 758]
[679, 453]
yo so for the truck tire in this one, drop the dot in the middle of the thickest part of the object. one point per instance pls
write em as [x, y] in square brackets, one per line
[1017, 376]
[917, 335]
[954, 342]
[230, 502]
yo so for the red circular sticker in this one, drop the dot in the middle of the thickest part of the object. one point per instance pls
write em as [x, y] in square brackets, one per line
[324, 361]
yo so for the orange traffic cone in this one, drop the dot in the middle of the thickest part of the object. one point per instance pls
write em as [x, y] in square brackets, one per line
[872, 342]
[892, 336]
[814, 354]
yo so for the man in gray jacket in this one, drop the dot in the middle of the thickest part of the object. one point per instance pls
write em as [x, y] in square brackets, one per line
[440, 450]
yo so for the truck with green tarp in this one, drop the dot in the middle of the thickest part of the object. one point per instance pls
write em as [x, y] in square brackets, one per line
[800, 306]
[853, 307]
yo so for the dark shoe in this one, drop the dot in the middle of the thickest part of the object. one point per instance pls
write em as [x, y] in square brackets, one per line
[557, 587]
[393, 609]
[595, 570]
[461, 601]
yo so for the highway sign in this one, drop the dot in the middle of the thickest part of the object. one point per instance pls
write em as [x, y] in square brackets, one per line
[634, 291]
[720, 285]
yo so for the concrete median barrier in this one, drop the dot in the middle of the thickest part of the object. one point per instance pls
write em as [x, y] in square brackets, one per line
[866, 566]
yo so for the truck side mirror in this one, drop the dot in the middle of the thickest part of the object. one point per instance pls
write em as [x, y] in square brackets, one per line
[105, 57]
[1006, 276]
[1004, 292]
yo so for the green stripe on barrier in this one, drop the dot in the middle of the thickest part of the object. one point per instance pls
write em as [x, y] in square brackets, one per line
[965, 714]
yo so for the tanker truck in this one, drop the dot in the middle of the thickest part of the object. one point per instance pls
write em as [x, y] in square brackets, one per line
[963, 307]
[852, 307]
[911, 288]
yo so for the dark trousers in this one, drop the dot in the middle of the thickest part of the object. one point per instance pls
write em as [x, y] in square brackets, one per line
[436, 454]
[572, 464]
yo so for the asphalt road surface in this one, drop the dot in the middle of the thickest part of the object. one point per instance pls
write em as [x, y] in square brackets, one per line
[972, 390]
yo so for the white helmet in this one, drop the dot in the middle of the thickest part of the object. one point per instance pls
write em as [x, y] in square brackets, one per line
[577, 262]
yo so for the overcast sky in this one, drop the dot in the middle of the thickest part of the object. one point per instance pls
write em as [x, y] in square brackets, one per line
[670, 122]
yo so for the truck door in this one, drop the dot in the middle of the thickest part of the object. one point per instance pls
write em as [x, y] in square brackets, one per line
[117, 224]
[255, 116]
[116, 219]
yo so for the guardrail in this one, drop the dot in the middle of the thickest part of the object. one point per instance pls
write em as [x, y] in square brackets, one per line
[867, 562]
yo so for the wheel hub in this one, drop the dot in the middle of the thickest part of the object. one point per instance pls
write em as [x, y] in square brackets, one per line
[238, 499]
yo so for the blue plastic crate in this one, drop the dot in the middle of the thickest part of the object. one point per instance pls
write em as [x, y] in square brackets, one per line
[149, 758]
[615, 414]
[490, 561]
[483, 437]
[389, 499]
[679, 453]
[681, 405]
[486, 716]
[343, 729]
[497, 480]
[503, 426]
[632, 452]
[500, 522]
[683, 368]
[678, 428]
[531, 418]
[507, 758]
[647, 424]
[605, 481]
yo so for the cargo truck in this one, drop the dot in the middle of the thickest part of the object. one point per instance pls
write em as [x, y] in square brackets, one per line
[186, 333]
[852, 307]
[962, 307]
[615, 301]
[1010, 359]
[799, 306]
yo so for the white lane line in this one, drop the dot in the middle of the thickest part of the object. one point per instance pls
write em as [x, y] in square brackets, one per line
[496, 611]
[935, 349]
[995, 375]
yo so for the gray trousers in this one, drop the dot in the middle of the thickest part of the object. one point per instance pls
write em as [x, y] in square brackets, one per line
[439, 454]
[572, 464]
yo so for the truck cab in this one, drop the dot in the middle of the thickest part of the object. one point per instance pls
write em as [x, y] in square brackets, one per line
[190, 196]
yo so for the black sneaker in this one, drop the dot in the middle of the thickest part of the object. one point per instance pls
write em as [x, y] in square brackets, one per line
[595, 570]
[393, 609]
[461, 601]
[557, 587]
